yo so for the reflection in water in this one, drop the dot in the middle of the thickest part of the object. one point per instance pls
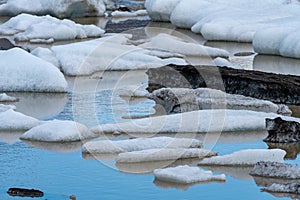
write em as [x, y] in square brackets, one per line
[266, 182]
[167, 185]
[40, 105]
[59, 147]
[149, 167]
[241, 173]
[292, 149]
[285, 195]
[277, 64]
[10, 137]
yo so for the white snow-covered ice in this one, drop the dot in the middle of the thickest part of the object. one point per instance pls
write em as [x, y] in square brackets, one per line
[206, 98]
[26, 27]
[22, 72]
[186, 175]
[137, 13]
[58, 131]
[107, 53]
[174, 44]
[58, 8]
[6, 98]
[238, 21]
[153, 155]
[293, 188]
[139, 144]
[13, 121]
[202, 121]
[4, 108]
[246, 157]
[133, 91]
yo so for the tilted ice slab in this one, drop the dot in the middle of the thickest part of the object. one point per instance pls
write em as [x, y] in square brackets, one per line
[139, 144]
[12, 121]
[22, 72]
[58, 131]
[246, 157]
[107, 53]
[276, 170]
[293, 188]
[186, 175]
[6, 98]
[58, 8]
[177, 45]
[178, 100]
[194, 122]
[153, 155]
[4, 108]
[26, 27]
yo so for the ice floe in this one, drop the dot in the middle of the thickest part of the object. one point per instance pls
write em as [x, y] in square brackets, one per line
[107, 53]
[177, 45]
[22, 72]
[4, 108]
[246, 157]
[202, 121]
[186, 175]
[26, 27]
[46, 54]
[152, 155]
[176, 100]
[58, 131]
[276, 170]
[13, 121]
[6, 98]
[133, 91]
[111, 147]
[293, 188]
[236, 21]
[58, 8]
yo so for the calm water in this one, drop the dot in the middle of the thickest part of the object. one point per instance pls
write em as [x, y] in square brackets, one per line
[60, 170]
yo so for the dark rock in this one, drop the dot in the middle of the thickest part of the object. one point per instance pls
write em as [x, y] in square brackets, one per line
[124, 8]
[242, 54]
[278, 88]
[24, 192]
[5, 44]
[281, 131]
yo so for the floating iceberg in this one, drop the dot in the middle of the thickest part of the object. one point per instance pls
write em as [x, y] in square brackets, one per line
[112, 147]
[27, 27]
[202, 121]
[153, 155]
[133, 91]
[176, 100]
[129, 14]
[5, 98]
[22, 72]
[247, 157]
[13, 121]
[186, 175]
[58, 8]
[58, 131]
[174, 44]
[276, 170]
[107, 53]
